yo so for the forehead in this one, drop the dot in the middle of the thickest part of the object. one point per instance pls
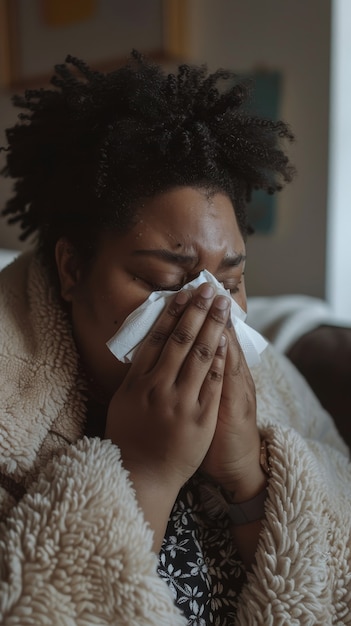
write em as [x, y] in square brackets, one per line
[189, 218]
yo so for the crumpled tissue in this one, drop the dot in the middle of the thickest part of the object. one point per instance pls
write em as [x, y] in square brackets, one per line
[137, 325]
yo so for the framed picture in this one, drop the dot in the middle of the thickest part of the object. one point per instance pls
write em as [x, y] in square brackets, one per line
[36, 35]
[267, 88]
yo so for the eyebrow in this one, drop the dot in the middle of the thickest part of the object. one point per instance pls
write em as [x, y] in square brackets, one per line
[186, 259]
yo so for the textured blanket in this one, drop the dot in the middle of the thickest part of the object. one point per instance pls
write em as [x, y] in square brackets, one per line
[74, 547]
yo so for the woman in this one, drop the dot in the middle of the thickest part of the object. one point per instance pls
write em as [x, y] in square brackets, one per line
[181, 488]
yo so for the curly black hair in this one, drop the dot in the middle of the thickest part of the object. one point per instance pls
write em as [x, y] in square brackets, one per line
[87, 151]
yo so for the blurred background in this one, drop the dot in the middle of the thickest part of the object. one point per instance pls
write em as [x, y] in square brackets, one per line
[298, 53]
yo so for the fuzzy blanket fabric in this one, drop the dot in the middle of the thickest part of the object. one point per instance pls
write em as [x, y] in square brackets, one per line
[74, 547]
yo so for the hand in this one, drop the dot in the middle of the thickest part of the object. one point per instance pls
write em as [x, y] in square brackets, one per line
[164, 414]
[233, 458]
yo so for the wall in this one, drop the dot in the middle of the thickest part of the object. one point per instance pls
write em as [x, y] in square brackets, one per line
[291, 36]
[339, 213]
[96, 38]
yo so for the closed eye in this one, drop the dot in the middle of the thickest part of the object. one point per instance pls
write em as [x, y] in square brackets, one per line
[158, 286]
[166, 287]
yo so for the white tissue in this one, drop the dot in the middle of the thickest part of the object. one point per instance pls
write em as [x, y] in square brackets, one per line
[137, 325]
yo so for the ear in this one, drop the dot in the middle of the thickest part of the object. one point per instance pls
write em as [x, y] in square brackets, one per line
[68, 268]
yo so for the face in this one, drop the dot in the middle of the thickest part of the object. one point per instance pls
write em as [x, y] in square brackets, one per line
[176, 235]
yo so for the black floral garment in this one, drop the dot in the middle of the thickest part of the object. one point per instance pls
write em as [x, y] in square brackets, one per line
[199, 561]
[198, 558]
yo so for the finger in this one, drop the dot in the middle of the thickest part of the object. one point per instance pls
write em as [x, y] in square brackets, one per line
[236, 364]
[199, 354]
[211, 390]
[238, 386]
[154, 343]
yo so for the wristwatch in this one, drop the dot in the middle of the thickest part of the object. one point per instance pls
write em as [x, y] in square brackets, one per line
[219, 502]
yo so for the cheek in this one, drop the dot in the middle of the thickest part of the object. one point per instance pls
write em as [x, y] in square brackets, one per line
[99, 308]
[113, 308]
[96, 311]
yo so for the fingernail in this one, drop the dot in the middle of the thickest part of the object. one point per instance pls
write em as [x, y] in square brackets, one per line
[207, 291]
[222, 341]
[222, 303]
[221, 346]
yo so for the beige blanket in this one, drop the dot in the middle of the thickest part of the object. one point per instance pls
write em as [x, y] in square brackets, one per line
[74, 547]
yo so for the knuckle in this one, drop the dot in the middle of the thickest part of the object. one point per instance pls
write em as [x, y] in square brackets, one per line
[156, 396]
[218, 316]
[157, 336]
[174, 310]
[182, 336]
[203, 352]
[215, 376]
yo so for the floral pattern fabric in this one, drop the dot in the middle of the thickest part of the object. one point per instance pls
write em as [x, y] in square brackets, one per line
[199, 561]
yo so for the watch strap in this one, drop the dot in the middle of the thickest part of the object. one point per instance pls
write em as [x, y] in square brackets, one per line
[249, 511]
[219, 502]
